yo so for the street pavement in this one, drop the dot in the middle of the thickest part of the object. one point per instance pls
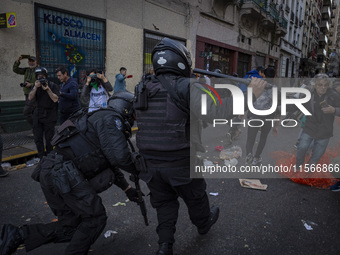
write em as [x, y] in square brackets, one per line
[251, 221]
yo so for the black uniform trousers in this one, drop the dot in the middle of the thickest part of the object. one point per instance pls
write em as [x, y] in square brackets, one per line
[41, 130]
[166, 185]
[81, 216]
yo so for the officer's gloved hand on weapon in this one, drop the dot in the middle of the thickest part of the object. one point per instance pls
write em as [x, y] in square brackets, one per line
[132, 194]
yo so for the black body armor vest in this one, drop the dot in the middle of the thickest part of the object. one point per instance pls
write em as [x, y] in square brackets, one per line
[162, 127]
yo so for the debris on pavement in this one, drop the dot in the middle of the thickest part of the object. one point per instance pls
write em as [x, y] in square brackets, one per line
[32, 162]
[109, 232]
[119, 203]
[19, 166]
[207, 162]
[6, 166]
[219, 148]
[253, 184]
[232, 162]
[233, 152]
[307, 224]
[213, 194]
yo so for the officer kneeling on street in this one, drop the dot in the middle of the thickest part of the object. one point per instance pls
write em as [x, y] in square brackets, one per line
[166, 106]
[88, 151]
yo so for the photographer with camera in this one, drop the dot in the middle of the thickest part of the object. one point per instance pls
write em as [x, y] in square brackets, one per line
[95, 93]
[45, 115]
[29, 79]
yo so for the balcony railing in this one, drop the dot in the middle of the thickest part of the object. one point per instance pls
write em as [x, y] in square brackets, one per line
[269, 11]
[260, 3]
[275, 14]
[283, 23]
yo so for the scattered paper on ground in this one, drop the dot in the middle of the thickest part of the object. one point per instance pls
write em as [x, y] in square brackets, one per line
[307, 224]
[253, 184]
[308, 227]
[109, 232]
[119, 203]
[207, 162]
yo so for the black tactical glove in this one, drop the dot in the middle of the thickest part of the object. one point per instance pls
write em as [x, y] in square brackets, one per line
[132, 194]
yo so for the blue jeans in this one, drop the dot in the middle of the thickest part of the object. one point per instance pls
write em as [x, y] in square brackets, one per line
[318, 149]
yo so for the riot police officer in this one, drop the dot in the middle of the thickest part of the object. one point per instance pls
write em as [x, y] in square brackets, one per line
[163, 114]
[84, 162]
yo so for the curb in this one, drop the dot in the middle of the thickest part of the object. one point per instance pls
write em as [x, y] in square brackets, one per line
[32, 153]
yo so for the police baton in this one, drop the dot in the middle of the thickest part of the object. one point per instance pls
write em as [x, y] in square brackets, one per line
[232, 78]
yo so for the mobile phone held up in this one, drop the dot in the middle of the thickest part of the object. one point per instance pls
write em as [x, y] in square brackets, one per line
[324, 104]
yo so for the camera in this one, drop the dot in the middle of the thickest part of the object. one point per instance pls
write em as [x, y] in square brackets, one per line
[23, 84]
[93, 78]
[43, 82]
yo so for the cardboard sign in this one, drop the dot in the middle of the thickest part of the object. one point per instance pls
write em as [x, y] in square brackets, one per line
[253, 184]
[8, 20]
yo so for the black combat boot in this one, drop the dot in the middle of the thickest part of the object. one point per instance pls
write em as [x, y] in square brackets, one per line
[214, 213]
[165, 249]
[11, 238]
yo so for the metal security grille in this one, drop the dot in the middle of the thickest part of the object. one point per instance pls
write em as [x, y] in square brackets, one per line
[150, 41]
[69, 39]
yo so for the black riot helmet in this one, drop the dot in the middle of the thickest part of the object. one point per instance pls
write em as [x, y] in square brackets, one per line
[171, 56]
[122, 103]
[41, 70]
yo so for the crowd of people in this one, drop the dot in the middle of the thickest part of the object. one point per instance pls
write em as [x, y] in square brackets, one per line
[91, 145]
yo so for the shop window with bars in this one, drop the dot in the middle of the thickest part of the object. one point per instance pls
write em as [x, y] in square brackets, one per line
[69, 39]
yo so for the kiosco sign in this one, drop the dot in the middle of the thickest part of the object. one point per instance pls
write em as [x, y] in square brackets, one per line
[8, 20]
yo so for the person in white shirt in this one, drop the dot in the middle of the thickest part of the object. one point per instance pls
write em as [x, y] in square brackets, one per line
[95, 92]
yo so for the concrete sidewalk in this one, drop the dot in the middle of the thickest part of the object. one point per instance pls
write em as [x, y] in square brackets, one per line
[21, 144]
[18, 145]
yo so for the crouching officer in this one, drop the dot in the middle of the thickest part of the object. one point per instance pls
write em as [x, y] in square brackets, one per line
[85, 161]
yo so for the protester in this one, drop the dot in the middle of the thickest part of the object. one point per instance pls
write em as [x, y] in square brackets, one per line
[264, 102]
[120, 83]
[68, 101]
[324, 106]
[234, 131]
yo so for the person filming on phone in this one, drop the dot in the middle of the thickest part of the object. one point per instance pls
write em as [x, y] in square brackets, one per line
[27, 84]
[45, 115]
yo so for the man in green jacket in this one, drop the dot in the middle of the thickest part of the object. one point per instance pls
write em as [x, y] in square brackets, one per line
[29, 80]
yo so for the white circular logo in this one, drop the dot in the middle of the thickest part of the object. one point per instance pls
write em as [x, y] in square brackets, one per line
[181, 65]
[161, 61]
